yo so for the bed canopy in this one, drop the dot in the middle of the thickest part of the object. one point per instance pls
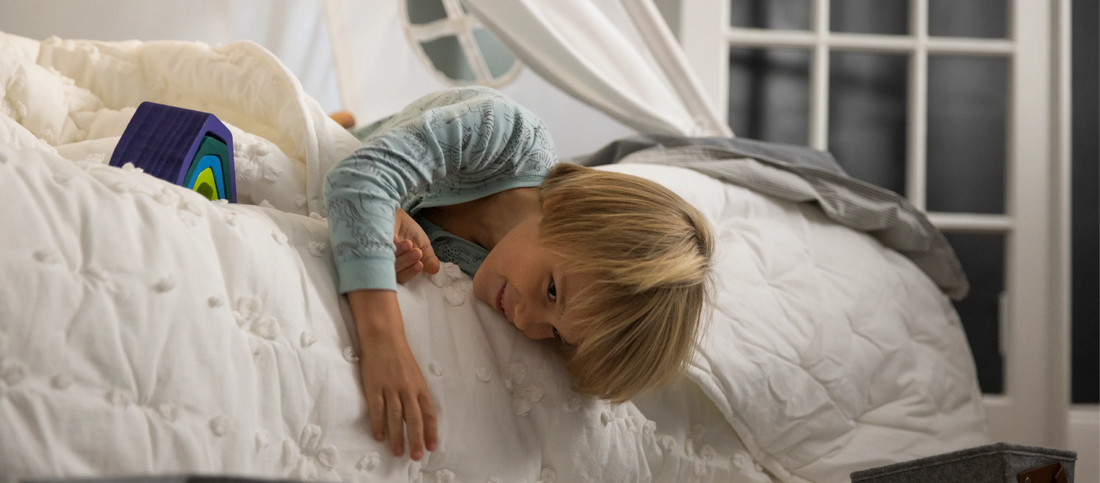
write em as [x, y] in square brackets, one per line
[617, 56]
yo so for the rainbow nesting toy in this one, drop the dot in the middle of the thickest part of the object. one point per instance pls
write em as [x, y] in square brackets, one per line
[189, 148]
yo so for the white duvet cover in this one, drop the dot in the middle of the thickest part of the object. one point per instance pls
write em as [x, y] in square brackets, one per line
[146, 330]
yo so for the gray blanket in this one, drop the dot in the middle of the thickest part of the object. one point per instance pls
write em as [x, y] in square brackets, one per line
[804, 175]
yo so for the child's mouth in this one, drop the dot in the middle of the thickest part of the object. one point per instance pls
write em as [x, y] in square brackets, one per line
[500, 299]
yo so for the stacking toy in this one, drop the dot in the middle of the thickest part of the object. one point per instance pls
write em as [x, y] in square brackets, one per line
[189, 148]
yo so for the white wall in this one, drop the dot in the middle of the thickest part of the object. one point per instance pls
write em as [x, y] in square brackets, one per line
[294, 30]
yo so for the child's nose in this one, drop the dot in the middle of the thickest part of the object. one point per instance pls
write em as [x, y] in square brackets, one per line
[529, 322]
[521, 319]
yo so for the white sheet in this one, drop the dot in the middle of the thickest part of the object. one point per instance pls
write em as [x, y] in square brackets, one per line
[144, 329]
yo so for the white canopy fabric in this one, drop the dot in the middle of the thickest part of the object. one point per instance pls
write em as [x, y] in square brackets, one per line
[617, 56]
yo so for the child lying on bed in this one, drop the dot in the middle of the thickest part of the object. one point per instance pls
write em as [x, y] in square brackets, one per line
[612, 268]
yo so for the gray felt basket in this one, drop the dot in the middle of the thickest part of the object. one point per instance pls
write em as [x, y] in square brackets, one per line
[995, 463]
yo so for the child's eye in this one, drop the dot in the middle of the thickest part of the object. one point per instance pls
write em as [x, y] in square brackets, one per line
[552, 290]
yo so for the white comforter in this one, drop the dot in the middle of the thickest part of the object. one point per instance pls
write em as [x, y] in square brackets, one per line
[146, 330]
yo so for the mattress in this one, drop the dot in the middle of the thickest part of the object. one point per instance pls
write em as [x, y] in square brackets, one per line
[146, 330]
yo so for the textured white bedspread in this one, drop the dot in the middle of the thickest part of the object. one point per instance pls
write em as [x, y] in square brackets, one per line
[146, 330]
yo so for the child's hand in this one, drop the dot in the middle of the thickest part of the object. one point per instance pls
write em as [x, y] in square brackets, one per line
[412, 248]
[398, 401]
[397, 396]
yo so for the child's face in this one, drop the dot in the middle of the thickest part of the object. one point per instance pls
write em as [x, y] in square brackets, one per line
[523, 279]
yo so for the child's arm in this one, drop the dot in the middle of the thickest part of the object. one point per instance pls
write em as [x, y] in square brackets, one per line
[454, 142]
[392, 382]
[447, 144]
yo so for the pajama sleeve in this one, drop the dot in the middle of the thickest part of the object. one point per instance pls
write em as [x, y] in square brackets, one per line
[451, 144]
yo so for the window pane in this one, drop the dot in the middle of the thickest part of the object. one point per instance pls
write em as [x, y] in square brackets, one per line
[497, 56]
[982, 258]
[867, 116]
[966, 133]
[447, 56]
[771, 14]
[969, 18]
[869, 16]
[425, 11]
[769, 94]
[1086, 200]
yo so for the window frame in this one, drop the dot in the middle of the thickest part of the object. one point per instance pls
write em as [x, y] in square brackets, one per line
[1035, 312]
[460, 24]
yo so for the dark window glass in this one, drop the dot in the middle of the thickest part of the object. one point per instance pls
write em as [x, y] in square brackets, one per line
[497, 56]
[867, 116]
[447, 56]
[1086, 201]
[670, 11]
[769, 94]
[970, 18]
[982, 258]
[425, 11]
[869, 16]
[771, 14]
[967, 125]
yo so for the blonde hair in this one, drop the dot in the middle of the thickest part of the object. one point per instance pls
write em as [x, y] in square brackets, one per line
[649, 252]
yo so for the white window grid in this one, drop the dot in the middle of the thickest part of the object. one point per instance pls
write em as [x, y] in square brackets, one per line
[918, 45]
[461, 24]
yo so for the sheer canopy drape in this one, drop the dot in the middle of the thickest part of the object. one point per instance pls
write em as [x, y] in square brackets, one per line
[616, 56]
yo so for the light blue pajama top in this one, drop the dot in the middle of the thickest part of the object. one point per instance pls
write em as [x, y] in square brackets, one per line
[446, 148]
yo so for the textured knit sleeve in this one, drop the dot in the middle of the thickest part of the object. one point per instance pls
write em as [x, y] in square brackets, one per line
[450, 143]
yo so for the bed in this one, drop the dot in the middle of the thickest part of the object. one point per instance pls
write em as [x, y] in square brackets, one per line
[146, 330]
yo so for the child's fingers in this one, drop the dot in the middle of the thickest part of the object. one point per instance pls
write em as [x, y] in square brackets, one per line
[395, 423]
[376, 409]
[408, 273]
[415, 425]
[401, 247]
[407, 259]
[430, 428]
[431, 262]
[420, 240]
